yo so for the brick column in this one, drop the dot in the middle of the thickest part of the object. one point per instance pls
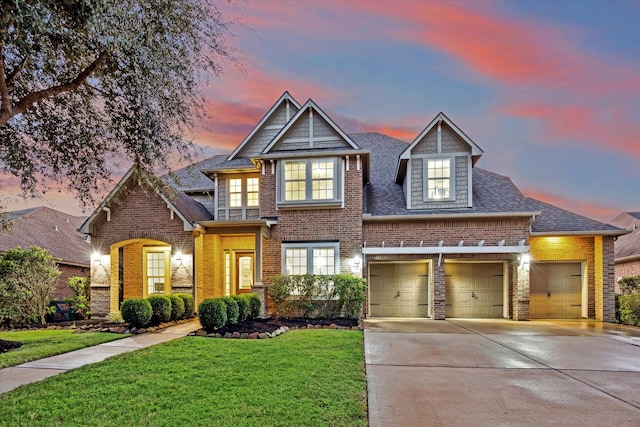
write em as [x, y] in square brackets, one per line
[521, 290]
[438, 301]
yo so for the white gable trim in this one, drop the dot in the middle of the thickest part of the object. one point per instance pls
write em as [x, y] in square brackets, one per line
[310, 108]
[86, 226]
[286, 98]
[441, 117]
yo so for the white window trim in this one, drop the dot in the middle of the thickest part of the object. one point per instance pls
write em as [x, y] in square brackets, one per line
[166, 250]
[308, 201]
[310, 246]
[425, 179]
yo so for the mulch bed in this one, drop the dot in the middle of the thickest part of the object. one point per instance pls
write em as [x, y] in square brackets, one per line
[270, 325]
[8, 345]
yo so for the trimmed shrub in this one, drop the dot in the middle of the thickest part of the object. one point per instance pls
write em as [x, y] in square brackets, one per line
[351, 292]
[212, 314]
[232, 310]
[243, 307]
[177, 307]
[136, 311]
[189, 305]
[280, 289]
[254, 305]
[161, 308]
[630, 309]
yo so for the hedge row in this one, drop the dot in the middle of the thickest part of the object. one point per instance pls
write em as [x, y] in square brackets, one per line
[157, 309]
[214, 313]
[628, 302]
[316, 295]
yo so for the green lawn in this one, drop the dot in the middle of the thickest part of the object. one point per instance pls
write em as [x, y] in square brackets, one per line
[301, 378]
[41, 343]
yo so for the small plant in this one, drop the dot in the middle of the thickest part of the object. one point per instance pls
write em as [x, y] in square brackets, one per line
[243, 307]
[212, 314]
[161, 308]
[136, 311]
[629, 285]
[630, 309]
[80, 303]
[115, 317]
[352, 293]
[254, 305]
[280, 289]
[177, 307]
[189, 305]
[232, 310]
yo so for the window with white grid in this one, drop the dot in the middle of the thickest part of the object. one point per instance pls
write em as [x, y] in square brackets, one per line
[235, 193]
[321, 258]
[253, 187]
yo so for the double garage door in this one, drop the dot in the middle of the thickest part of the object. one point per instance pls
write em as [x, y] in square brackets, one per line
[474, 290]
[556, 291]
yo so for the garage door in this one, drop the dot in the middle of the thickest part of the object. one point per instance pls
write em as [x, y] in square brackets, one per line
[398, 290]
[474, 290]
[556, 291]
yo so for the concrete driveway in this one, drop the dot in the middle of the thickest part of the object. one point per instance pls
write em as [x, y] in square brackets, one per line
[464, 372]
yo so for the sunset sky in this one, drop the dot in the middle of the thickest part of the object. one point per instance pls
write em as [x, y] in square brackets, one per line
[549, 89]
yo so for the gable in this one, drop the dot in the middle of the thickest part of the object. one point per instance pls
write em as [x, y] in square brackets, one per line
[449, 142]
[268, 127]
[310, 132]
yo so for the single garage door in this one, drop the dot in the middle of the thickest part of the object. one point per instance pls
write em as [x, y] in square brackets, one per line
[398, 290]
[556, 290]
[474, 290]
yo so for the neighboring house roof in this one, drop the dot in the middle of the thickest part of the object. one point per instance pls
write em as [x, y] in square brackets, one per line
[627, 247]
[49, 229]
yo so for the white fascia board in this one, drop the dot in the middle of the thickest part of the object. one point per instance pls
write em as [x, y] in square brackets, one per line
[434, 250]
[294, 119]
[285, 96]
[85, 228]
[475, 149]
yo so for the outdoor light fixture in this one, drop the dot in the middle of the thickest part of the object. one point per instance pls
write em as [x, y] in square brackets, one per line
[356, 264]
[524, 259]
[97, 258]
[178, 256]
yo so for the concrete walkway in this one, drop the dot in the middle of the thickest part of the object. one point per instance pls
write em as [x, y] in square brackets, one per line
[490, 373]
[11, 378]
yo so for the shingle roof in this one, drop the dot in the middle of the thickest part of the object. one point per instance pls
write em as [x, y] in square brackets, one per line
[492, 193]
[554, 219]
[49, 229]
[629, 244]
[192, 179]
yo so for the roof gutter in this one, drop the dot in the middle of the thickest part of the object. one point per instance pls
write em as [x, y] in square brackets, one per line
[627, 258]
[422, 217]
[613, 233]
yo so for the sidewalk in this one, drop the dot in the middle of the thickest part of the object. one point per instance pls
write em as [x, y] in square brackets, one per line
[14, 377]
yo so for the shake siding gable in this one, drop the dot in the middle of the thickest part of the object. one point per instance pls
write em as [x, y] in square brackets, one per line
[269, 130]
[303, 135]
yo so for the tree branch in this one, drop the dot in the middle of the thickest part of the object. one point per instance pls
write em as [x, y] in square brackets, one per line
[15, 72]
[25, 103]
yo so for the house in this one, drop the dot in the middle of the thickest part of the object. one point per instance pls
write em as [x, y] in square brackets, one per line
[434, 235]
[58, 233]
[627, 247]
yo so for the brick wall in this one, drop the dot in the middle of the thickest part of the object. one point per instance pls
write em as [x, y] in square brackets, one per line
[627, 269]
[67, 271]
[137, 212]
[341, 224]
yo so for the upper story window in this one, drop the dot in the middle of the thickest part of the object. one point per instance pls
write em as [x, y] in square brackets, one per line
[244, 192]
[235, 193]
[313, 181]
[439, 179]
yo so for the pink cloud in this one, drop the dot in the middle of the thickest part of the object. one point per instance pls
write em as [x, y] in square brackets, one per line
[596, 211]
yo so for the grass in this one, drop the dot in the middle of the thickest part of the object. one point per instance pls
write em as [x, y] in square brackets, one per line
[37, 344]
[306, 377]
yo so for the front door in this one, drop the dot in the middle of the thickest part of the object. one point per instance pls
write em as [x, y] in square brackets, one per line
[244, 272]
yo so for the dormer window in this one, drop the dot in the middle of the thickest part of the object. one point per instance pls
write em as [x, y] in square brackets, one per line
[438, 180]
